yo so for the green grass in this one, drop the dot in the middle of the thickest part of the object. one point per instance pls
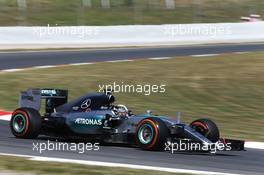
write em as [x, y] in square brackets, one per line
[123, 12]
[45, 168]
[228, 89]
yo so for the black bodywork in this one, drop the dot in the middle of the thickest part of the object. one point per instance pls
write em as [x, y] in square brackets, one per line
[94, 116]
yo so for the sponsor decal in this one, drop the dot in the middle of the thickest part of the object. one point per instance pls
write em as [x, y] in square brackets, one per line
[86, 103]
[48, 92]
[83, 121]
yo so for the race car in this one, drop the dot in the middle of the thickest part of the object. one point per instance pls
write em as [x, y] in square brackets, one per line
[95, 116]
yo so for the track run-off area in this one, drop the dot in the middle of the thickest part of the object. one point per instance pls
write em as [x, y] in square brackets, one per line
[244, 162]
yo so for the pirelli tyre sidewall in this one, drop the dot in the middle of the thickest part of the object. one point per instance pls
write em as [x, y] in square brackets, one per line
[151, 134]
[207, 128]
[25, 123]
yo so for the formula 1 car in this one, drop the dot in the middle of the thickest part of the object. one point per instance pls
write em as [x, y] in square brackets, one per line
[95, 117]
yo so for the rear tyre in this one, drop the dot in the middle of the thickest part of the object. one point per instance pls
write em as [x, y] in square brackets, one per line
[25, 123]
[151, 134]
[207, 128]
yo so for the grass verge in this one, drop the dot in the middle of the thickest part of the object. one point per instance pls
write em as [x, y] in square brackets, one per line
[22, 165]
[228, 88]
[124, 12]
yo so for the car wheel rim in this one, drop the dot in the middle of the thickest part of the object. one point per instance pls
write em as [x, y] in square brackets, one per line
[19, 123]
[145, 134]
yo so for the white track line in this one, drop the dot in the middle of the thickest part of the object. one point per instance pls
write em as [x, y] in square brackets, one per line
[254, 145]
[80, 64]
[116, 165]
[241, 52]
[205, 55]
[113, 61]
[12, 70]
[118, 61]
[43, 67]
[53, 66]
[160, 58]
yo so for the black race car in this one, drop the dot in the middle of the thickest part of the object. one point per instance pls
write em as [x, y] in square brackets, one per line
[95, 117]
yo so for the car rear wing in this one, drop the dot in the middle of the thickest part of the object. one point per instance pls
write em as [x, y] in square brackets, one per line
[53, 98]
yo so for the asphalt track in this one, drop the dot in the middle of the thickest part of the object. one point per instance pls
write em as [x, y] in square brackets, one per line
[13, 60]
[245, 162]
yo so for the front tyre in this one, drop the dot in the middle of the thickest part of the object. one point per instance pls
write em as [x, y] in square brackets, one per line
[25, 123]
[207, 128]
[151, 134]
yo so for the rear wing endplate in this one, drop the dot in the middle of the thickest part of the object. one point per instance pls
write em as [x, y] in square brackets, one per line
[32, 98]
